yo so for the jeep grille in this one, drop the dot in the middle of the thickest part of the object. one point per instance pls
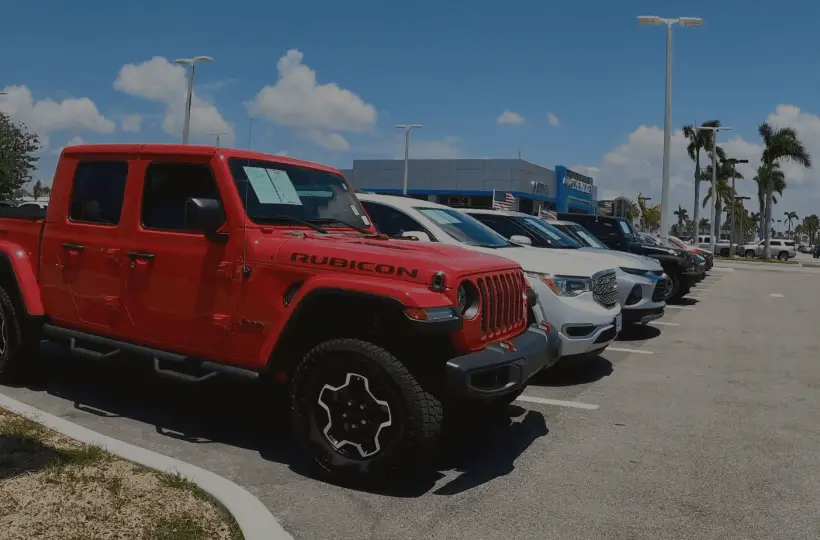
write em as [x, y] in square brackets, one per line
[502, 303]
[605, 289]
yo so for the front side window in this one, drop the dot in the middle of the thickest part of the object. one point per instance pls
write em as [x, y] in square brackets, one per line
[390, 221]
[167, 187]
[276, 192]
[98, 192]
[463, 228]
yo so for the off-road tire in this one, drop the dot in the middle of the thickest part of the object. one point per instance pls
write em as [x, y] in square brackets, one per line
[419, 414]
[15, 358]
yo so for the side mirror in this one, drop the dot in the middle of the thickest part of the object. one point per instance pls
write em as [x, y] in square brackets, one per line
[418, 236]
[521, 240]
[204, 215]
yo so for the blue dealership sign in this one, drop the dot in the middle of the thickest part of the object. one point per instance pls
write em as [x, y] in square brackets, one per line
[574, 191]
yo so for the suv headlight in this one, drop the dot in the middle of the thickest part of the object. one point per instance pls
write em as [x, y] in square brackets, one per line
[564, 285]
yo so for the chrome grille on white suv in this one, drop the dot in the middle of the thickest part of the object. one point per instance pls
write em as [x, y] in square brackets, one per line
[605, 288]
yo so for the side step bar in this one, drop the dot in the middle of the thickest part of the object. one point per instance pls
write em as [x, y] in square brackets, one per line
[75, 338]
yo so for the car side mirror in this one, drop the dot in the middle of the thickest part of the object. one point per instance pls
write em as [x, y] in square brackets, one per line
[521, 240]
[418, 236]
[204, 215]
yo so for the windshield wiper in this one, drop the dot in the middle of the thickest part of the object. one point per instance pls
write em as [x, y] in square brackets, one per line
[339, 221]
[282, 217]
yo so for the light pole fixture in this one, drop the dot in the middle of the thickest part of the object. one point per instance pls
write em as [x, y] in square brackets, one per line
[734, 162]
[217, 134]
[191, 63]
[667, 117]
[712, 239]
[741, 198]
[407, 129]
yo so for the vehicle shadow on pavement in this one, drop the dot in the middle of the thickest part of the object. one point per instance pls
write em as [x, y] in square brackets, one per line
[686, 301]
[638, 332]
[242, 414]
[571, 374]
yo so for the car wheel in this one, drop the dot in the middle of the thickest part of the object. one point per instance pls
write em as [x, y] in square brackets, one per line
[16, 358]
[750, 254]
[361, 415]
[783, 256]
[672, 287]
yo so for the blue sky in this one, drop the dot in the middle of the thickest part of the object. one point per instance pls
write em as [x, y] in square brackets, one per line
[455, 68]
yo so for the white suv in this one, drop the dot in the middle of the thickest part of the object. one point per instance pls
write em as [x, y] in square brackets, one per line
[782, 249]
[577, 294]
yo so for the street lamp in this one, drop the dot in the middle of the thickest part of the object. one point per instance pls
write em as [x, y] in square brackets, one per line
[667, 117]
[734, 162]
[191, 63]
[740, 198]
[407, 128]
[714, 179]
[217, 134]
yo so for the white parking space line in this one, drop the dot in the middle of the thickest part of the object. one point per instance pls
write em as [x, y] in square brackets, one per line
[637, 351]
[776, 295]
[557, 402]
[685, 308]
[703, 290]
[662, 323]
[722, 269]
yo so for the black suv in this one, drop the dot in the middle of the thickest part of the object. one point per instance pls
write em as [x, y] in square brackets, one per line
[618, 233]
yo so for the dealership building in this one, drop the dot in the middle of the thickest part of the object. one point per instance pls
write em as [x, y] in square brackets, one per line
[471, 182]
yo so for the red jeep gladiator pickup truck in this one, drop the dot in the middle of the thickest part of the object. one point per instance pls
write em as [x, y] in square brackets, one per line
[207, 261]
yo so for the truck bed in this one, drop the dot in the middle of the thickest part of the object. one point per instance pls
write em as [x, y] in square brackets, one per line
[25, 225]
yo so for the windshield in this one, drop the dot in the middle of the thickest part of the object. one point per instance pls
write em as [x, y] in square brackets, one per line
[584, 236]
[463, 228]
[273, 192]
[557, 238]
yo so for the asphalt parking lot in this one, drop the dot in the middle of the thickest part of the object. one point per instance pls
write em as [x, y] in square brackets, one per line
[704, 425]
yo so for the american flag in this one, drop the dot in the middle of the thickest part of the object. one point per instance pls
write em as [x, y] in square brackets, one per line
[543, 213]
[503, 200]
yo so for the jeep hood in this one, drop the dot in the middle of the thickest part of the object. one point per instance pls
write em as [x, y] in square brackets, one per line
[554, 261]
[631, 260]
[393, 259]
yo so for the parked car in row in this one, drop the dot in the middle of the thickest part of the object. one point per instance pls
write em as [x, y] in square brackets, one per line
[782, 249]
[722, 247]
[211, 261]
[700, 254]
[578, 292]
[617, 233]
[641, 281]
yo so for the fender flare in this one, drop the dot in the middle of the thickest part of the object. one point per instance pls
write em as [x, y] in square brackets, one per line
[23, 276]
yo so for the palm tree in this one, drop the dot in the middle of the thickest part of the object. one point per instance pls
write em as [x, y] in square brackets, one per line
[789, 217]
[725, 196]
[652, 217]
[756, 217]
[683, 215]
[39, 190]
[703, 225]
[811, 224]
[764, 176]
[699, 140]
[779, 144]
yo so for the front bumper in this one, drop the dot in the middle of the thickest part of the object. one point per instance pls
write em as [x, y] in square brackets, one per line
[643, 315]
[499, 370]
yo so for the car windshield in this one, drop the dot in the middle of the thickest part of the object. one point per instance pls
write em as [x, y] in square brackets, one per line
[275, 192]
[463, 228]
[556, 237]
[584, 236]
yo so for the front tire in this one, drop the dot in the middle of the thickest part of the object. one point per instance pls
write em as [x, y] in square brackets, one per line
[361, 415]
[783, 256]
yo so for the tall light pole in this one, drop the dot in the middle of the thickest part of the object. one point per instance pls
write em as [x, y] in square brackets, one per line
[407, 129]
[734, 162]
[218, 133]
[191, 63]
[742, 217]
[714, 131]
[667, 117]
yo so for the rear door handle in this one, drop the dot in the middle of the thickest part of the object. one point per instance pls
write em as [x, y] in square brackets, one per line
[133, 255]
[73, 247]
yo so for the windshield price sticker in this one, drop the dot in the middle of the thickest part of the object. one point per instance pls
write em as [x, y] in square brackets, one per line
[272, 186]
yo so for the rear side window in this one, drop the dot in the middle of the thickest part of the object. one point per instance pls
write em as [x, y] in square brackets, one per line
[98, 192]
[790, 244]
[167, 187]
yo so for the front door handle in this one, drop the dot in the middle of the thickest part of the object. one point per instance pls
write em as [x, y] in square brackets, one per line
[134, 255]
[73, 247]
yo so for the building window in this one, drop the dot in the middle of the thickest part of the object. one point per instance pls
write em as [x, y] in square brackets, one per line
[455, 201]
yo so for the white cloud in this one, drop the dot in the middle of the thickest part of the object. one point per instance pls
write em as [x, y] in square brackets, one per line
[73, 141]
[161, 81]
[553, 120]
[331, 141]
[46, 115]
[319, 110]
[510, 117]
[636, 165]
[131, 123]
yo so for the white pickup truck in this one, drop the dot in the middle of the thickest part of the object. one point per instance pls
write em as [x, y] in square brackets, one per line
[722, 247]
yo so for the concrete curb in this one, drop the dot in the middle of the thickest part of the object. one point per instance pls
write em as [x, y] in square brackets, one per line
[254, 519]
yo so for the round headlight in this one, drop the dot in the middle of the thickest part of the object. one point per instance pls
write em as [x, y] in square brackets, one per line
[468, 300]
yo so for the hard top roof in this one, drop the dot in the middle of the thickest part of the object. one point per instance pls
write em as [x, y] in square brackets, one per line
[188, 150]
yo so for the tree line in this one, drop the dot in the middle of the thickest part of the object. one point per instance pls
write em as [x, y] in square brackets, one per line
[18, 160]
